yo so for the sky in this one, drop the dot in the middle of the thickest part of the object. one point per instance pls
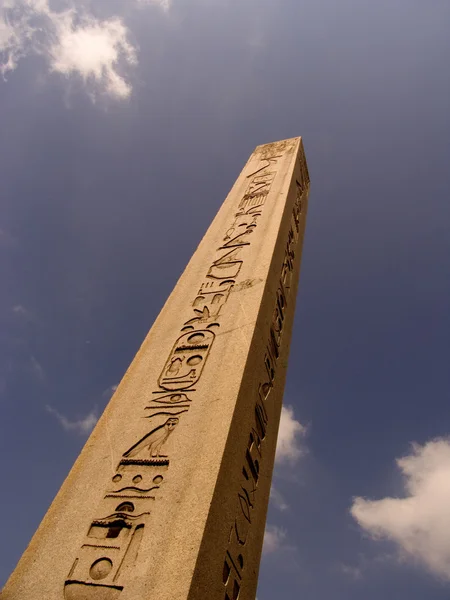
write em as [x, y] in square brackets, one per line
[124, 125]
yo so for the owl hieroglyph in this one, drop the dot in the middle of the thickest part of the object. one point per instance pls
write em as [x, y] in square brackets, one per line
[154, 440]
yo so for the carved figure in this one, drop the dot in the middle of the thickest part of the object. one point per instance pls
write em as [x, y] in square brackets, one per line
[154, 440]
[187, 358]
[170, 400]
[175, 366]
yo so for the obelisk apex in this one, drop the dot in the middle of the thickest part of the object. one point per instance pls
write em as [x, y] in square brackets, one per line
[168, 498]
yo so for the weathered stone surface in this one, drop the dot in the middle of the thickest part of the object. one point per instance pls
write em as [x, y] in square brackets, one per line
[168, 499]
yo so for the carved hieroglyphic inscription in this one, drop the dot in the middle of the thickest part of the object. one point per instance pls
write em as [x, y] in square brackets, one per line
[112, 541]
[234, 561]
[186, 361]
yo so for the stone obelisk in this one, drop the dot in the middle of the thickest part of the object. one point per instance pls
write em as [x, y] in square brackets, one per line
[168, 498]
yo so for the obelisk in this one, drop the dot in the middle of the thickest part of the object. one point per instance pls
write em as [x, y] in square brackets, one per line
[168, 498]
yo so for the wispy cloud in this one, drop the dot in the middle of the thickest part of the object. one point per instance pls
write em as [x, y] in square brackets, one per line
[274, 538]
[82, 426]
[109, 391]
[23, 314]
[419, 523]
[351, 571]
[21, 311]
[366, 565]
[37, 370]
[277, 499]
[19, 360]
[290, 434]
[72, 41]
[164, 4]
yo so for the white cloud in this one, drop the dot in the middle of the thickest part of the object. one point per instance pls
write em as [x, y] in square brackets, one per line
[82, 426]
[9, 46]
[288, 445]
[93, 51]
[277, 499]
[274, 538]
[72, 41]
[419, 524]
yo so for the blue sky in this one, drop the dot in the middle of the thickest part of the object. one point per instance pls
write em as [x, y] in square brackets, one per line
[124, 124]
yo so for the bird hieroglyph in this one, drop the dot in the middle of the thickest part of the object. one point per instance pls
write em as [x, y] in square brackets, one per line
[154, 440]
